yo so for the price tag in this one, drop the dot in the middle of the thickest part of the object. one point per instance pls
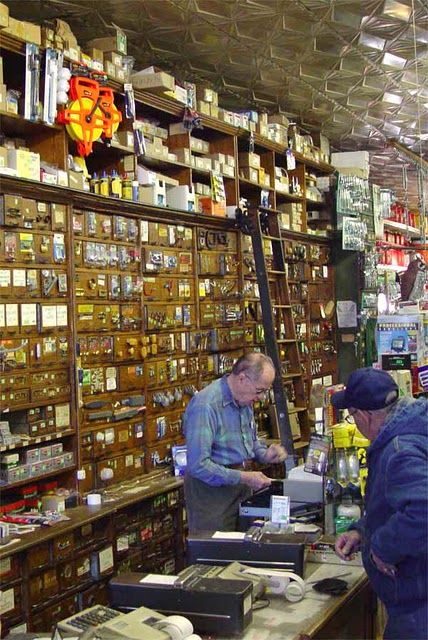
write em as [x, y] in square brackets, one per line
[280, 509]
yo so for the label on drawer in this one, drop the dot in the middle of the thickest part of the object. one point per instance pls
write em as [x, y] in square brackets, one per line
[7, 601]
[122, 543]
[106, 559]
[5, 566]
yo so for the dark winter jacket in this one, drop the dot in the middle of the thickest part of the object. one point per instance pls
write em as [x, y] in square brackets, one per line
[395, 525]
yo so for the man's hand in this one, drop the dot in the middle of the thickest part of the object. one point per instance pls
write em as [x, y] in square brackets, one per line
[387, 569]
[275, 453]
[347, 544]
[255, 479]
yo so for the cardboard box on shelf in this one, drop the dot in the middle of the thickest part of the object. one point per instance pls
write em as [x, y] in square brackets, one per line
[3, 97]
[125, 138]
[4, 16]
[15, 28]
[116, 42]
[209, 207]
[153, 82]
[249, 160]
[262, 129]
[113, 57]
[248, 173]
[278, 118]
[110, 69]
[214, 110]
[183, 155]
[3, 157]
[95, 54]
[203, 107]
[76, 180]
[206, 94]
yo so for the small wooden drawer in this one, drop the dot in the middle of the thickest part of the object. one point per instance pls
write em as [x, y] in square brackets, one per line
[11, 602]
[43, 586]
[44, 620]
[38, 557]
[10, 568]
[83, 568]
[66, 574]
[63, 546]
[98, 594]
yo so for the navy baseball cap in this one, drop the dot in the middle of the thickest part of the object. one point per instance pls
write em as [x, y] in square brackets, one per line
[367, 389]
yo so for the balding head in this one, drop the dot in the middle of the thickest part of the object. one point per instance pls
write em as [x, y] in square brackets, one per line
[253, 365]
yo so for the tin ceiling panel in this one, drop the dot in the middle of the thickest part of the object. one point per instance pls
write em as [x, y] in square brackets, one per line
[357, 70]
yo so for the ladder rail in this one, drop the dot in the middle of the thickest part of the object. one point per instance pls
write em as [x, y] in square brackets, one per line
[271, 344]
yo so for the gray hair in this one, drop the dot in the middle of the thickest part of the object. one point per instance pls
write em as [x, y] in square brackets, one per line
[252, 364]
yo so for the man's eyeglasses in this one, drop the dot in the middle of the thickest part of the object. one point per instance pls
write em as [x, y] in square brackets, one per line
[259, 391]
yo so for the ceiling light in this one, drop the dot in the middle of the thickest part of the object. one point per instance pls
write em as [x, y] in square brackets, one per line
[397, 10]
[392, 98]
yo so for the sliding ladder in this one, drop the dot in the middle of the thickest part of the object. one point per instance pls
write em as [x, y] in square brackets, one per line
[280, 337]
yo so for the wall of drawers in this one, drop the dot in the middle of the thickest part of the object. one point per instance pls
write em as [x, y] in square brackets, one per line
[65, 568]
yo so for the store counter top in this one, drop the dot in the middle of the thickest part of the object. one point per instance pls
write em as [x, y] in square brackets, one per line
[319, 616]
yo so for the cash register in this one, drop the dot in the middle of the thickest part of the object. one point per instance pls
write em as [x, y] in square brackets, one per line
[211, 602]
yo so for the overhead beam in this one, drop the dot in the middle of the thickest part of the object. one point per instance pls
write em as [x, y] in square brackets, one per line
[411, 155]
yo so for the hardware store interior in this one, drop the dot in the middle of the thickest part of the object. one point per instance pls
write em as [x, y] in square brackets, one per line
[187, 185]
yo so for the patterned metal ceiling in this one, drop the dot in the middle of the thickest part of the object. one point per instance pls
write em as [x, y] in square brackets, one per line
[356, 70]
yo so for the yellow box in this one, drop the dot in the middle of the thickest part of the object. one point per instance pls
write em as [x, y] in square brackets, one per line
[15, 28]
[203, 107]
[4, 16]
[32, 33]
[2, 97]
[3, 157]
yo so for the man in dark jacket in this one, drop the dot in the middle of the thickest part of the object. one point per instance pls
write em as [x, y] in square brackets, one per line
[393, 534]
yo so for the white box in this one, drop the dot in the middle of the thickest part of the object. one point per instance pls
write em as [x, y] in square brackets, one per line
[356, 159]
[145, 177]
[155, 194]
[181, 197]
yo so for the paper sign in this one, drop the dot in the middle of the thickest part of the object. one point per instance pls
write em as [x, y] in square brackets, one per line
[346, 313]
[280, 509]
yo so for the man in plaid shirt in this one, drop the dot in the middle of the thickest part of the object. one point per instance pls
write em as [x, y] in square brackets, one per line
[222, 445]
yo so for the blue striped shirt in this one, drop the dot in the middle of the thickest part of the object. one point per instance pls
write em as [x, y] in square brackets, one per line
[219, 432]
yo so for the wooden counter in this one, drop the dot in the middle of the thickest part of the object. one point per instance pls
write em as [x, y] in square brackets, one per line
[319, 616]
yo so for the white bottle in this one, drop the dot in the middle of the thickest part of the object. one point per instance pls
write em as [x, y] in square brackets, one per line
[349, 510]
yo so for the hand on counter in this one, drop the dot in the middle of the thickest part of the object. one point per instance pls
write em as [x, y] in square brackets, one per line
[347, 544]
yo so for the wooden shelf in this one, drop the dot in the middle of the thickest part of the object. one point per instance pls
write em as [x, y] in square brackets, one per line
[39, 440]
[17, 125]
[413, 232]
[51, 474]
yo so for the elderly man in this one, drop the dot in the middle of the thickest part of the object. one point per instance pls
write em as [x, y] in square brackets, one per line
[393, 534]
[222, 445]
